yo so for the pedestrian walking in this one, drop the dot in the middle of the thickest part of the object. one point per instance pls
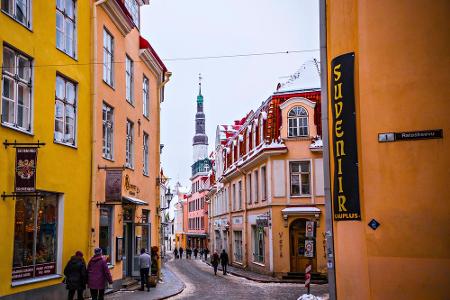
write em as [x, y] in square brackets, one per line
[181, 252]
[188, 253]
[195, 253]
[98, 275]
[76, 276]
[224, 261]
[206, 252]
[175, 253]
[145, 261]
[215, 261]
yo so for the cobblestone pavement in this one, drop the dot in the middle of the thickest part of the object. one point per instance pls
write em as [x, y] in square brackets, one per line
[202, 284]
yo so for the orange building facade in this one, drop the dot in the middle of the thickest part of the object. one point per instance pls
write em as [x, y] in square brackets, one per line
[398, 246]
[128, 89]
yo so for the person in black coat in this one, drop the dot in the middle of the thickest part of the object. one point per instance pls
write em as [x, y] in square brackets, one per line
[224, 261]
[76, 276]
[195, 253]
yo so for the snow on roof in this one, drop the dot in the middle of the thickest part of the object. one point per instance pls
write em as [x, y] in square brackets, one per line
[301, 210]
[306, 78]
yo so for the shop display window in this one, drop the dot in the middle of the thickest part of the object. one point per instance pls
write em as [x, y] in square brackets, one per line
[105, 232]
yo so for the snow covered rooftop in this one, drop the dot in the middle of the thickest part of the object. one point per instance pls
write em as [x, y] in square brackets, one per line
[306, 78]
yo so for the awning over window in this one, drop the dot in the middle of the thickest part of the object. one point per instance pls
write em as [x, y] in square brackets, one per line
[301, 210]
[132, 200]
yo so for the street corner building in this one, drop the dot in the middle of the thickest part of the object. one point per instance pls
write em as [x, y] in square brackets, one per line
[267, 202]
[46, 143]
[388, 111]
[126, 126]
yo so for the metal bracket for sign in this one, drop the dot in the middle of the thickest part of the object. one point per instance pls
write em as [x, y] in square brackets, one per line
[21, 145]
[15, 195]
[110, 168]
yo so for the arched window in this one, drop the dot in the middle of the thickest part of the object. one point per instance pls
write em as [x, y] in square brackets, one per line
[298, 122]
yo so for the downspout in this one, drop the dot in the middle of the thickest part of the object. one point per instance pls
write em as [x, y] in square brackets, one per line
[93, 126]
[326, 154]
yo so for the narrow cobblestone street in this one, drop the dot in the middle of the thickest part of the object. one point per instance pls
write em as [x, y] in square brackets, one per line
[202, 284]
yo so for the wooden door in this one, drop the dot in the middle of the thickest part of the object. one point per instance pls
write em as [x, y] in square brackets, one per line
[297, 247]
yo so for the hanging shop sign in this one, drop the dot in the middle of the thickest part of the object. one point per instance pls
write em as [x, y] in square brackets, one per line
[309, 248]
[346, 205]
[113, 185]
[309, 232]
[26, 159]
[262, 221]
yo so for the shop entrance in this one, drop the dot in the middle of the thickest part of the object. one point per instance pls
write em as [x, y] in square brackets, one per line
[298, 247]
[128, 249]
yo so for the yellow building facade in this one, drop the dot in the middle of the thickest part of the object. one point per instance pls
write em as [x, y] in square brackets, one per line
[46, 90]
[396, 246]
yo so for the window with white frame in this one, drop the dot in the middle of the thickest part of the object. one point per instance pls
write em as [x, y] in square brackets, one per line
[297, 122]
[19, 10]
[258, 244]
[145, 97]
[65, 111]
[108, 58]
[261, 129]
[254, 136]
[129, 79]
[240, 194]
[256, 179]
[249, 188]
[16, 90]
[247, 141]
[263, 183]
[129, 151]
[238, 246]
[108, 131]
[300, 178]
[145, 153]
[234, 196]
[133, 8]
[66, 26]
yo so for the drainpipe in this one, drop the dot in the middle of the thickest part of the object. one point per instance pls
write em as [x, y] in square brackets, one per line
[93, 124]
[326, 154]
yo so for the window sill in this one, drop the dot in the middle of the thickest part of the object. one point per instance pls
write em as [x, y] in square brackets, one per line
[67, 54]
[108, 159]
[301, 196]
[17, 21]
[147, 117]
[299, 138]
[64, 144]
[129, 167]
[34, 280]
[30, 133]
[110, 85]
[146, 174]
[130, 102]
[258, 264]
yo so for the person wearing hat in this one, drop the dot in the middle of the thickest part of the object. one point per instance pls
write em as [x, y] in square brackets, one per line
[98, 275]
[75, 276]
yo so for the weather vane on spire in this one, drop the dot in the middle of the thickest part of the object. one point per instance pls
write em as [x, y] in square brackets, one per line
[200, 83]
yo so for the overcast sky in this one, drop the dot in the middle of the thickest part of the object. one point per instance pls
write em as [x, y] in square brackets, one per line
[231, 86]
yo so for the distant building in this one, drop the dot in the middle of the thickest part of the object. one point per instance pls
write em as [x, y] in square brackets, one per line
[267, 206]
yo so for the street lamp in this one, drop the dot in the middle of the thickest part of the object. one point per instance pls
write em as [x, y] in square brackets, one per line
[168, 197]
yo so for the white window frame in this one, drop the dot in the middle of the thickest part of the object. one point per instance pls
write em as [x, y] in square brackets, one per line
[234, 196]
[237, 245]
[129, 148]
[263, 183]
[240, 194]
[145, 97]
[14, 76]
[256, 189]
[13, 13]
[261, 130]
[145, 152]
[257, 236]
[108, 57]
[299, 175]
[71, 141]
[133, 8]
[249, 188]
[69, 17]
[129, 80]
[297, 119]
[108, 131]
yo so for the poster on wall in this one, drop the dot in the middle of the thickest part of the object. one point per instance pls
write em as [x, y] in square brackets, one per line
[309, 248]
[309, 232]
[345, 188]
[25, 172]
[113, 186]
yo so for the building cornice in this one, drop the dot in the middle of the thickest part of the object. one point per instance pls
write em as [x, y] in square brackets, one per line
[118, 15]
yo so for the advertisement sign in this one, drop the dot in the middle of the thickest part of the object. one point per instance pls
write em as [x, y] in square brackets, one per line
[309, 233]
[113, 186]
[22, 273]
[345, 188]
[25, 173]
[309, 248]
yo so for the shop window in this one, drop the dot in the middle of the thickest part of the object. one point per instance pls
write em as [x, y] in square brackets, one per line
[35, 237]
[297, 122]
[258, 244]
[16, 91]
[300, 178]
[238, 246]
[106, 232]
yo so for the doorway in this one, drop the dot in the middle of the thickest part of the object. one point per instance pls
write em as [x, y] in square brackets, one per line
[128, 249]
[298, 247]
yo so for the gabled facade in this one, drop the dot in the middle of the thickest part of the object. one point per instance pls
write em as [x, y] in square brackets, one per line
[268, 209]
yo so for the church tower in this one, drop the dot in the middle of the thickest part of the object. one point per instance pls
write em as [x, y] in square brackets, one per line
[200, 140]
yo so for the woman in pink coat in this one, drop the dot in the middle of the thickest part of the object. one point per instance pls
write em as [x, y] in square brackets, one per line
[98, 274]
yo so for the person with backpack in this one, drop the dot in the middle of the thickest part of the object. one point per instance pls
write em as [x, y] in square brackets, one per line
[76, 276]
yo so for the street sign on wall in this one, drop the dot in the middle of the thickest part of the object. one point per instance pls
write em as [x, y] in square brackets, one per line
[345, 187]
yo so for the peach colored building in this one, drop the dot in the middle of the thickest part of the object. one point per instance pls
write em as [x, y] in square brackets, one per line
[128, 87]
[401, 85]
[268, 207]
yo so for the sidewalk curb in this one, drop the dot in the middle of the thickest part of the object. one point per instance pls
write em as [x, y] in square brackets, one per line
[177, 292]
